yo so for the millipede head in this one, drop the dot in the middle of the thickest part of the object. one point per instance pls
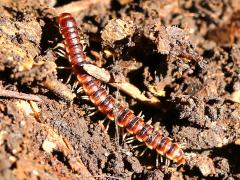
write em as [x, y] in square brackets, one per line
[66, 20]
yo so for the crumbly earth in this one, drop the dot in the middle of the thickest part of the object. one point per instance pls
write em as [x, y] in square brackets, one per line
[184, 53]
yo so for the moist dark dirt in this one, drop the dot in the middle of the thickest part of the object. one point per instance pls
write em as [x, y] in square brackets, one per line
[184, 53]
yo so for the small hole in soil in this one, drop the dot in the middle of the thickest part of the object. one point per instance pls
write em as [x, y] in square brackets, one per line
[62, 158]
[49, 32]
[62, 2]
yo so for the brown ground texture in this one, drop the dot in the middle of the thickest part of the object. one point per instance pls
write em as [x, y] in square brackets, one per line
[179, 62]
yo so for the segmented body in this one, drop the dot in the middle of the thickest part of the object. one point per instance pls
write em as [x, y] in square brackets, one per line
[124, 117]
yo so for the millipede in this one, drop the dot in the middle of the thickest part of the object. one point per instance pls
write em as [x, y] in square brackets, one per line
[106, 104]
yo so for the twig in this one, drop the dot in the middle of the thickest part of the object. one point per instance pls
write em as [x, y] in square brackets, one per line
[97, 72]
[134, 92]
[128, 88]
[78, 6]
[105, 176]
[18, 95]
[59, 89]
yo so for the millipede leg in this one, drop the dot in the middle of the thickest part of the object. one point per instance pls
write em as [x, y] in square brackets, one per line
[93, 113]
[137, 146]
[161, 159]
[124, 137]
[91, 108]
[120, 133]
[107, 89]
[117, 136]
[167, 162]
[61, 53]
[143, 152]
[75, 84]
[59, 46]
[149, 121]
[157, 160]
[141, 115]
[79, 90]
[85, 98]
[69, 78]
[130, 140]
[60, 50]
[107, 126]
[64, 67]
[101, 123]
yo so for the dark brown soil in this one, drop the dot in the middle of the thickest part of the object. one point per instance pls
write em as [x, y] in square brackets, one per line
[185, 54]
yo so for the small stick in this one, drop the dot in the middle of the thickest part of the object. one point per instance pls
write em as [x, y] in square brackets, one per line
[59, 89]
[78, 6]
[18, 95]
[97, 72]
[106, 176]
[105, 76]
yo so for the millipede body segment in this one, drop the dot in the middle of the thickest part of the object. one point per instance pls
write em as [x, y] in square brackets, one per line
[124, 117]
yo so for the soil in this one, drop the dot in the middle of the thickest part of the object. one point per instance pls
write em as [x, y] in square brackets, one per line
[185, 54]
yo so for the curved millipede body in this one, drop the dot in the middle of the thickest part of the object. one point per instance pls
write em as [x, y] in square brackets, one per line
[106, 103]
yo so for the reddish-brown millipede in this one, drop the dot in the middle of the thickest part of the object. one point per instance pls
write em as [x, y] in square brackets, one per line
[106, 103]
